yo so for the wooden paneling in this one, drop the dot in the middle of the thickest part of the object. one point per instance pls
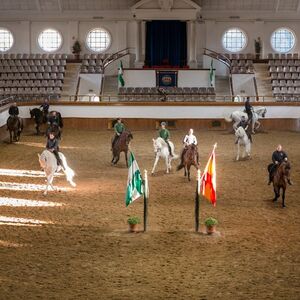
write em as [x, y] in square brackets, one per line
[146, 124]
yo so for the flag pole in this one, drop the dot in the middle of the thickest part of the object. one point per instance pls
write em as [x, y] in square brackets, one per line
[197, 201]
[146, 194]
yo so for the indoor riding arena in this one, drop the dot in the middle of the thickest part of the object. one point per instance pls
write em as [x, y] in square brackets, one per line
[85, 84]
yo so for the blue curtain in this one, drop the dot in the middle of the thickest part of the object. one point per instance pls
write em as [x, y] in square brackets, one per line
[166, 43]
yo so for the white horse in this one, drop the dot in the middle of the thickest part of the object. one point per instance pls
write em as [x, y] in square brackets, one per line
[49, 164]
[243, 141]
[257, 112]
[161, 150]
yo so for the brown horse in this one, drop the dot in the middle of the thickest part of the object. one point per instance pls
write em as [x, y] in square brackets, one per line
[189, 157]
[121, 145]
[14, 126]
[280, 180]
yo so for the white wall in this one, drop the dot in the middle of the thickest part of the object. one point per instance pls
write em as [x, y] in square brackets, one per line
[90, 84]
[243, 84]
[147, 78]
[161, 111]
[208, 34]
[139, 78]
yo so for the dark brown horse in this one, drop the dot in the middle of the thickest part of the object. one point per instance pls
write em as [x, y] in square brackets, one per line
[15, 127]
[121, 145]
[280, 180]
[189, 157]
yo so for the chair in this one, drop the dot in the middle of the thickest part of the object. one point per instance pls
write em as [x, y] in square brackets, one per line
[54, 69]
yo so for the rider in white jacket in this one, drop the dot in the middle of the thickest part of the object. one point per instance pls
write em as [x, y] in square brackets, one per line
[188, 140]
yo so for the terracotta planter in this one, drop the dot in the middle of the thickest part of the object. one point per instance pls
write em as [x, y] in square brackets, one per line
[133, 227]
[210, 229]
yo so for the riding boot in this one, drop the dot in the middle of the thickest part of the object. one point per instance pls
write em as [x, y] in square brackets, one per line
[170, 150]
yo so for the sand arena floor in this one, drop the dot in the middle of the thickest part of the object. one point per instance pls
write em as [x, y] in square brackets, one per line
[83, 250]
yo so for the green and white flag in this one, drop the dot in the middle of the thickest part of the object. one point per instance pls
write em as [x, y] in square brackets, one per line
[135, 188]
[120, 74]
[211, 73]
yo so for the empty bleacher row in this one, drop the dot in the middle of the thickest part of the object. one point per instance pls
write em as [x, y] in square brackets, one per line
[241, 63]
[167, 94]
[285, 76]
[32, 75]
[93, 63]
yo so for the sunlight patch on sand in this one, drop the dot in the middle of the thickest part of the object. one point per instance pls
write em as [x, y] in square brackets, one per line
[21, 221]
[14, 186]
[6, 201]
[24, 173]
[9, 244]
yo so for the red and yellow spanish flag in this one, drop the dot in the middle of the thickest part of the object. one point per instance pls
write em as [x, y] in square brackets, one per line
[208, 183]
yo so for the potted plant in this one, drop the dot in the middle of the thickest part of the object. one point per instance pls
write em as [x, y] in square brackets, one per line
[211, 224]
[133, 223]
[257, 46]
[76, 49]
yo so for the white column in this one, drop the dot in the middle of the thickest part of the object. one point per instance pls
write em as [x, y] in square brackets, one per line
[138, 43]
[192, 44]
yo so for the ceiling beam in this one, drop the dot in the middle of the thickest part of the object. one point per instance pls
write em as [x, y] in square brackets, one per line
[38, 5]
[277, 5]
[139, 4]
[193, 4]
[60, 7]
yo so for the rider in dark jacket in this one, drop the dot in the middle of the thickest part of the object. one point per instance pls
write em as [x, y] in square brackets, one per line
[45, 109]
[14, 113]
[52, 146]
[248, 109]
[278, 157]
[13, 110]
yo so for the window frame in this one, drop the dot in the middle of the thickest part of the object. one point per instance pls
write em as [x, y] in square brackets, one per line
[287, 29]
[242, 31]
[13, 39]
[97, 28]
[61, 36]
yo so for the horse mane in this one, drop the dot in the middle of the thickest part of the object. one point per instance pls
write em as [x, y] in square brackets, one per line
[159, 139]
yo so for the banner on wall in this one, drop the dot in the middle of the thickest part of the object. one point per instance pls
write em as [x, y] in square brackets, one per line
[166, 78]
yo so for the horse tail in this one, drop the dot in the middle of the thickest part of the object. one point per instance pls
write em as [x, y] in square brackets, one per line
[180, 167]
[175, 156]
[228, 119]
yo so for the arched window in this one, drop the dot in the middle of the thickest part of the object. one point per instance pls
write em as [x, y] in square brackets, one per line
[50, 40]
[6, 39]
[283, 40]
[98, 40]
[234, 40]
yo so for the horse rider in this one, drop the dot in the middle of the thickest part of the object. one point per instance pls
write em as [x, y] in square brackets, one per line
[14, 113]
[52, 146]
[278, 157]
[248, 110]
[188, 140]
[165, 135]
[245, 124]
[119, 127]
[45, 109]
[53, 119]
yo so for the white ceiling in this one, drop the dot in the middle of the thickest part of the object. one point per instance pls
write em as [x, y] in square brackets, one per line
[15, 9]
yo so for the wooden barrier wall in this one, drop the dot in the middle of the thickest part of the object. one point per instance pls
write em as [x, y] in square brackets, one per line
[152, 124]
